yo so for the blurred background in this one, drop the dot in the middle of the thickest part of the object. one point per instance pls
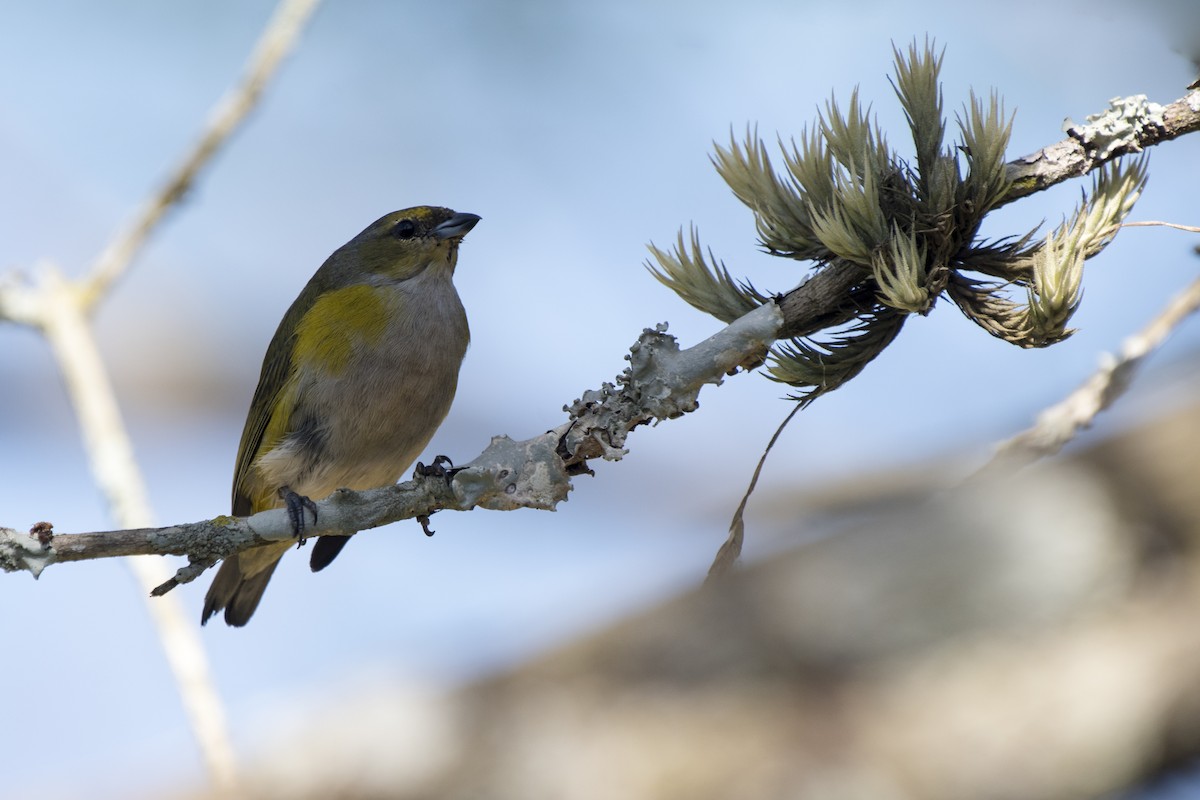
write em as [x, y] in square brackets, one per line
[579, 132]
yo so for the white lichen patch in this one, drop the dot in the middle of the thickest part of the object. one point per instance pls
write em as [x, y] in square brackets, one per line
[1119, 127]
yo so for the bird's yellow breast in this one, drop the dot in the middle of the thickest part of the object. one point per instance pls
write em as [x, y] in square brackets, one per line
[338, 322]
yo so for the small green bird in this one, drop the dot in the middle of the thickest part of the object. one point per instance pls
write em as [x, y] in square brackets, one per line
[357, 378]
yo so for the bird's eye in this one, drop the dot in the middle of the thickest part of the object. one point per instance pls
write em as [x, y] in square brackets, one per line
[404, 229]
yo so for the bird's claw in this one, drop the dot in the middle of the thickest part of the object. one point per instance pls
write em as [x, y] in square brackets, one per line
[296, 505]
[437, 469]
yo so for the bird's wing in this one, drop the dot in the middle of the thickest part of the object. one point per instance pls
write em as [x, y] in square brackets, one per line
[269, 401]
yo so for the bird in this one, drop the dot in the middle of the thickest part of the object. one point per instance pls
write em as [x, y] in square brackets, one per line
[359, 375]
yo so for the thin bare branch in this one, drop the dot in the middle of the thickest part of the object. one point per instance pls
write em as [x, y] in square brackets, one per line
[60, 309]
[1061, 422]
[64, 322]
[277, 40]
[1158, 224]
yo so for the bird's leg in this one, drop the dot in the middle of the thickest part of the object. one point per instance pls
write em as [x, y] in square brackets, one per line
[296, 504]
[435, 470]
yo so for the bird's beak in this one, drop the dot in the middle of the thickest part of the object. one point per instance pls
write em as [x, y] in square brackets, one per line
[457, 226]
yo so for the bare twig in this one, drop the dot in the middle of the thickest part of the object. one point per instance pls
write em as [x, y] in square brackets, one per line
[113, 465]
[1157, 224]
[114, 468]
[277, 40]
[59, 309]
[1061, 422]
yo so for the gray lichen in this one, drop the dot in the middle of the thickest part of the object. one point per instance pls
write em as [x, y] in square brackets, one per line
[509, 474]
[20, 552]
[1118, 128]
[663, 382]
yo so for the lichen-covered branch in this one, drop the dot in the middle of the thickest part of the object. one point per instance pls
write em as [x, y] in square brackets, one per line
[661, 382]
[1130, 125]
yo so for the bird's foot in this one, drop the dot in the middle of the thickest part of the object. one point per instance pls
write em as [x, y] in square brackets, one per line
[437, 469]
[296, 505]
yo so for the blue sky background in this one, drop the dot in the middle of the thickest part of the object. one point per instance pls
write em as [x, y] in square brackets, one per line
[579, 132]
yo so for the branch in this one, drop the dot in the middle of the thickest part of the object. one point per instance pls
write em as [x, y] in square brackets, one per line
[277, 40]
[59, 308]
[1130, 125]
[661, 382]
[1062, 422]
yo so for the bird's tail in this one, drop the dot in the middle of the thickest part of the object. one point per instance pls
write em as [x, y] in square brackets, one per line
[240, 583]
